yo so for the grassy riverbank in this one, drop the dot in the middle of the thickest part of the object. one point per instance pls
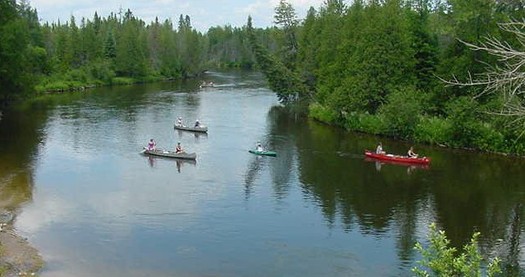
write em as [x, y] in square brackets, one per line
[465, 133]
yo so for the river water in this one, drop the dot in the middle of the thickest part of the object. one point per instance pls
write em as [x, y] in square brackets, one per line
[70, 168]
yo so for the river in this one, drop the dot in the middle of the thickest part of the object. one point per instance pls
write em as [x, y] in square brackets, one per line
[94, 206]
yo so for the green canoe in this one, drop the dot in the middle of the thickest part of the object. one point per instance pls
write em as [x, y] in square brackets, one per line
[263, 153]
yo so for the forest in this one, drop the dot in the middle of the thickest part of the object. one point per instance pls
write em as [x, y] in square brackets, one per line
[376, 66]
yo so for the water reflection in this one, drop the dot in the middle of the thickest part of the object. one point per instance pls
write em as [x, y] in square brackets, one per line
[467, 196]
[179, 163]
[20, 138]
[196, 135]
[410, 167]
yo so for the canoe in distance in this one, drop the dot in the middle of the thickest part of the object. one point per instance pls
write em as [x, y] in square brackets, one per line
[263, 153]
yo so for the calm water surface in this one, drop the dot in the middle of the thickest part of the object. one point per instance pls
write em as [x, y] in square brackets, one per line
[70, 166]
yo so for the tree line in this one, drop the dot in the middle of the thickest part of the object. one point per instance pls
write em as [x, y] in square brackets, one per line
[117, 49]
[382, 67]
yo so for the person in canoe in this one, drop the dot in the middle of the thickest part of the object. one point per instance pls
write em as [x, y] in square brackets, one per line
[178, 148]
[197, 124]
[379, 149]
[151, 145]
[411, 152]
[179, 121]
[258, 147]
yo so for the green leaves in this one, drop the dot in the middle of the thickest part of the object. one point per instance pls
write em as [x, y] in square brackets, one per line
[402, 112]
[15, 69]
[439, 259]
[286, 83]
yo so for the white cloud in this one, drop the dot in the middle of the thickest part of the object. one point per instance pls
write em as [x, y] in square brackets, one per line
[203, 14]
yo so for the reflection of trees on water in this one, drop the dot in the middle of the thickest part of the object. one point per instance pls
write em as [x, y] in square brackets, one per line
[20, 137]
[279, 140]
[484, 194]
[462, 193]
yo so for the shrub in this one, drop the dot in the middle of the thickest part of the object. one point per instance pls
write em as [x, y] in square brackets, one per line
[462, 112]
[402, 112]
[122, 81]
[489, 139]
[433, 130]
[440, 259]
[321, 113]
[364, 122]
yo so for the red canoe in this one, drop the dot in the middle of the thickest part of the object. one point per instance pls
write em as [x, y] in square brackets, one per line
[396, 158]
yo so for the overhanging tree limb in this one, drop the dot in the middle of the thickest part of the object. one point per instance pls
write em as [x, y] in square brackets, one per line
[507, 78]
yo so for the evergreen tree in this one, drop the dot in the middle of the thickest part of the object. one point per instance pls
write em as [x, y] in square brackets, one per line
[288, 86]
[15, 81]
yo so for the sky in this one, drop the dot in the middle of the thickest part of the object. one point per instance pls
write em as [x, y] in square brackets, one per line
[203, 13]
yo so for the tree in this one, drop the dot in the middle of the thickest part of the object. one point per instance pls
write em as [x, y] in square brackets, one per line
[14, 41]
[131, 52]
[286, 18]
[288, 86]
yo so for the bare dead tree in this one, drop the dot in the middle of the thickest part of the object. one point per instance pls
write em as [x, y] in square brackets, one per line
[506, 78]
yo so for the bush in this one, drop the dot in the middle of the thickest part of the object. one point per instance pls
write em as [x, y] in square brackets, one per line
[462, 113]
[433, 130]
[489, 139]
[364, 122]
[122, 81]
[440, 259]
[321, 113]
[402, 112]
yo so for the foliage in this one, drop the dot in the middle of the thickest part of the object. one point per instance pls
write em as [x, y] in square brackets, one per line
[122, 81]
[286, 18]
[440, 259]
[433, 130]
[364, 122]
[402, 112]
[15, 65]
[282, 80]
[462, 113]
[317, 111]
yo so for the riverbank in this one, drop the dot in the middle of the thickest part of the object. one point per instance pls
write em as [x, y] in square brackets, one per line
[17, 256]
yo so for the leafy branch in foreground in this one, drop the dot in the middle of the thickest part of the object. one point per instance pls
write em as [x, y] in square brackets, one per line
[442, 260]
